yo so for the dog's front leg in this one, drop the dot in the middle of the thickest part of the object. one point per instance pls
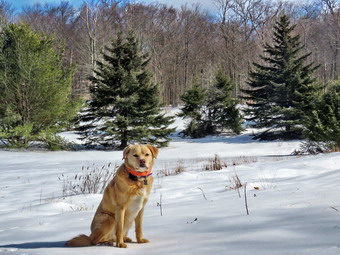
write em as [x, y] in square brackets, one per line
[120, 214]
[138, 224]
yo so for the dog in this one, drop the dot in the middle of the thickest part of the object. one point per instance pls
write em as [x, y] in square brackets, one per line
[123, 201]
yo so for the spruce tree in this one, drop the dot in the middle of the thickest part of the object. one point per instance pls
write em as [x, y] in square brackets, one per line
[194, 100]
[323, 124]
[125, 103]
[35, 87]
[211, 111]
[282, 88]
[221, 107]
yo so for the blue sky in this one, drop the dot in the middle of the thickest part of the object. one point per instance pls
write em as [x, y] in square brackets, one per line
[205, 4]
[18, 4]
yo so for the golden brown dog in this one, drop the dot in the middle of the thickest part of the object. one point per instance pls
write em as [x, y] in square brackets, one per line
[123, 200]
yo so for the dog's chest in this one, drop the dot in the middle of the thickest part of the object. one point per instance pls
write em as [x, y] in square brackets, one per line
[137, 202]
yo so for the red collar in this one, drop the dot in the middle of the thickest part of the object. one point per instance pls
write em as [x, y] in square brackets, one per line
[140, 174]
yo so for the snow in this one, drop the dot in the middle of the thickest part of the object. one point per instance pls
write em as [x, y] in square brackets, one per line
[293, 202]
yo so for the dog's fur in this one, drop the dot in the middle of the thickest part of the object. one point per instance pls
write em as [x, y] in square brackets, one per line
[123, 201]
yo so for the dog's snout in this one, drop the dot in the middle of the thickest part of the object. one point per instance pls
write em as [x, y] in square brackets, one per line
[142, 162]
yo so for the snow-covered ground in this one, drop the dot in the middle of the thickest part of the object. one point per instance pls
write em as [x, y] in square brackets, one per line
[293, 202]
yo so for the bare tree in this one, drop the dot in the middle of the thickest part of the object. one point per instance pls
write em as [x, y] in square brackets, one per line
[332, 22]
[6, 12]
[185, 44]
[95, 26]
[241, 24]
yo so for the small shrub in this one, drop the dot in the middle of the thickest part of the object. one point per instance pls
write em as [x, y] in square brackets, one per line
[215, 164]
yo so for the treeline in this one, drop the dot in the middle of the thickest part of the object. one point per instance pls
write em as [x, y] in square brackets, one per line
[186, 45]
[273, 64]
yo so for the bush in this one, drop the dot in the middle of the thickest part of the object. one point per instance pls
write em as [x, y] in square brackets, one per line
[54, 142]
[35, 88]
[211, 111]
[13, 133]
[323, 122]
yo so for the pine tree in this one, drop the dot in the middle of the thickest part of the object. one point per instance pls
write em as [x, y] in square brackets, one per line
[221, 107]
[125, 103]
[323, 124]
[194, 99]
[34, 86]
[282, 88]
[211, 111]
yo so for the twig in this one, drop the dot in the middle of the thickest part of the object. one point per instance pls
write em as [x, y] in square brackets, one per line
[192, 221]
[159, 204]
[238, 183]
[334, 208]
[202, 193]
[245, 198]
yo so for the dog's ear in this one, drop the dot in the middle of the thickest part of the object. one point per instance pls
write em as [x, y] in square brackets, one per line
[126, 151]
[153, 149]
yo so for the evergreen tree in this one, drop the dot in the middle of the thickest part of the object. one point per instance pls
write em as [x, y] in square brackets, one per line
[125, 104]
[282, 88]
[34, 86]
[211, 111]
[194, 99]
[221, 107]
[323, 124]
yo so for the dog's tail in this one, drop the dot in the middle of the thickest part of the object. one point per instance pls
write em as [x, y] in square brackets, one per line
[81, 240]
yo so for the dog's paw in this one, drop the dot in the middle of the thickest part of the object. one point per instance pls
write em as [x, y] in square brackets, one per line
[121, 245]
[127, 240]
[143, 240]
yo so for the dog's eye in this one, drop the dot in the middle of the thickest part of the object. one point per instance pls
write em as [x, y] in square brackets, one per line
[147, 154]
[135, 155]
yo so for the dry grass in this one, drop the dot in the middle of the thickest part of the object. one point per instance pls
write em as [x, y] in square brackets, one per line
[215, 164]
[242, 160]
[90, 181]
[235, 183]
[168, 171]
[179, 168]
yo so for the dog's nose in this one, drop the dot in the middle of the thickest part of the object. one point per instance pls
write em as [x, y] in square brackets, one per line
[142, 162]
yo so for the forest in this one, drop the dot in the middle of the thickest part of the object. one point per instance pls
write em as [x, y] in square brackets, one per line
[185, 44]
[271, 63]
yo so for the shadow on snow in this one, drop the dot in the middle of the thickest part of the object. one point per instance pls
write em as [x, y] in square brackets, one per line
[36, 245]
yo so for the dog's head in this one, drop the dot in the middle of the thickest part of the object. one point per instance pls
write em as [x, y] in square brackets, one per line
[140, 157]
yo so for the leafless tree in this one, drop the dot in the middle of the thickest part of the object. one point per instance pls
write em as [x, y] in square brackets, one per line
[6, 12]
[185, 45]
